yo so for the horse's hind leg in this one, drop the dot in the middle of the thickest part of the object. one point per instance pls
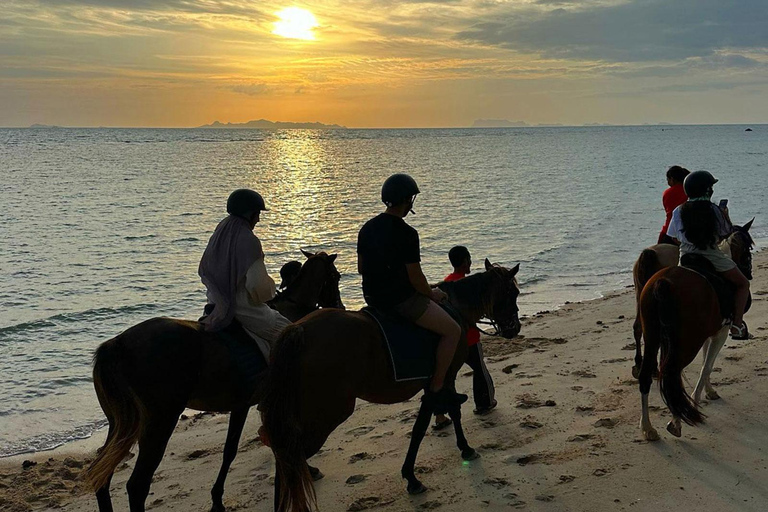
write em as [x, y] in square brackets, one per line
[236, 423]
[711, 350]
[103, 498]
[637, 330]
[646, 379]
[467, 452]
[417, 435]
[152, 443]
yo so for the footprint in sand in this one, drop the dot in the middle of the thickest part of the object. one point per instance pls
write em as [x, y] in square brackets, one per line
[498, 483]
[579, 438]
[355, 479]
[198, 454]
[606, 423]
[430, 505]
[368, 502]
[361, 456]
[564, 479]
[529, 423]
[584, 374]
[360, 431]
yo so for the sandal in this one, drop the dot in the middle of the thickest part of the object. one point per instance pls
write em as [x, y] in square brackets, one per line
[440, 425]
[740, 332]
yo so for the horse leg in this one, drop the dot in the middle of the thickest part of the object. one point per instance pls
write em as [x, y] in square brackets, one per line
[103, 498]
[713, 347]
[646, 379]
[236, 423]
[637, 330]
[674, 426]
[152, 444]
[315, 473]
[417, 435]
[467, 452]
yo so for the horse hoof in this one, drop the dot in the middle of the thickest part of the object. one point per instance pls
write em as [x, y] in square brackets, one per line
[470, 454]
[218, 507]
[651, 434]
[675, 430]
[316, 474]
[416, 488]
[635, 372]
[712, 395]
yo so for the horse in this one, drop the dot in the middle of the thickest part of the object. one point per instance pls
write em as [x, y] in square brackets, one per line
[330, 358]
[680, 313]
[146, 376]
[650, 261]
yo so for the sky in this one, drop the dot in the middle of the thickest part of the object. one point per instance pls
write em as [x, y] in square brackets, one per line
[383, 63]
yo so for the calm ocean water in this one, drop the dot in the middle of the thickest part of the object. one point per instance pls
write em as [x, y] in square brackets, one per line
[104, 228]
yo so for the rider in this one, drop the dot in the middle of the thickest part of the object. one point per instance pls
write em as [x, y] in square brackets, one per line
[288, 273]
[700, 225]
[232, 269]
[482, 384]
[673, 197]
[389, 261]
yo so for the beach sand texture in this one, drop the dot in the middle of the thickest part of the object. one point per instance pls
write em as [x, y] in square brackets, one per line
[585, 452]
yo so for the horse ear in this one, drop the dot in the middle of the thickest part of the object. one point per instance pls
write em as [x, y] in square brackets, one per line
[515, 269]
[307, 254]
[488, 264]
[749, 224]
[332, 257]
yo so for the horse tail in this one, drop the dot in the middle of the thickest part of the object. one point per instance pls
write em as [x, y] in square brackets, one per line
[279, 415]
[647, 265]
[670, 371]
[123, 409]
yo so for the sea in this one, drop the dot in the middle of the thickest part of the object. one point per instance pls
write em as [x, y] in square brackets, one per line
[101, 229]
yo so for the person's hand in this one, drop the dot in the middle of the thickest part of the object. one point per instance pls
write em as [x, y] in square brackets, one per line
[439, 295]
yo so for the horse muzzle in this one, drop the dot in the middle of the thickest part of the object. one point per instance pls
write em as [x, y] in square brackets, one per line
[511, 331]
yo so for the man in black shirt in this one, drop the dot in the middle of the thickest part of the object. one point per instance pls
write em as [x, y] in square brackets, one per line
[389, 261]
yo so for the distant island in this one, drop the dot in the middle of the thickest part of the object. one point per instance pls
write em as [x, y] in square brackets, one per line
[44, 126]
[272, 125]
[498, 123]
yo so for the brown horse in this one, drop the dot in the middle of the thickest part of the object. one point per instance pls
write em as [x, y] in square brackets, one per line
[326, 361]
[146, 377]
[680, 313]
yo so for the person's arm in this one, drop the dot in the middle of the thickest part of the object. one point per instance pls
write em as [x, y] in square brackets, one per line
[258, 282]
[421, 285]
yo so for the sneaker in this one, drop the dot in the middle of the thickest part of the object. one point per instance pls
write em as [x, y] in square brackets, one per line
[740, 332]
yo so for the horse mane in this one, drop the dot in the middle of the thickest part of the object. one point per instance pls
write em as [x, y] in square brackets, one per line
[471, 292]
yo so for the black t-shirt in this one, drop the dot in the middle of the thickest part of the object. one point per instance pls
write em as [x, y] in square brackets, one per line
[386, 244]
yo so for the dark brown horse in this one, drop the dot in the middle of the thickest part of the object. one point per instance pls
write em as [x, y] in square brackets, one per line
[146, 377]
[322, 364]
[680, 314]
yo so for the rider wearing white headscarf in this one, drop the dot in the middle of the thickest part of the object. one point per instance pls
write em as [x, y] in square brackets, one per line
[232, 269]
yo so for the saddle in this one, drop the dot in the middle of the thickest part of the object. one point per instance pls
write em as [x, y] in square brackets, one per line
[724, 290]
[411, 348]
[246, 358]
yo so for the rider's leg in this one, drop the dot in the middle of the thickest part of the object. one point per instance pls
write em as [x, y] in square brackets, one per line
[742, 293]
[438, 321]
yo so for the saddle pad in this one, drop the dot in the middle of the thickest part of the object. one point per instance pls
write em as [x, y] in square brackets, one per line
[411, 348]
[247, 360]
[724, 290]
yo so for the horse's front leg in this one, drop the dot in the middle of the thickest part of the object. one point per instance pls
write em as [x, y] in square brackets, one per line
[236, 423]
[417, 435]
[710, 351]
[467, 452]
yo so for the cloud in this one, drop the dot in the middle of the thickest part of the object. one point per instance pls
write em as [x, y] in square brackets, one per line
[638, 30]
[255, 89]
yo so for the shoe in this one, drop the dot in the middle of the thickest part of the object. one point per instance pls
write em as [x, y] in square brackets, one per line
[447, 422]
[482, 411]
[740, 332]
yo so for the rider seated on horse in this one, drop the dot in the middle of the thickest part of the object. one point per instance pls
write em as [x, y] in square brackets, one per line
[699, 225]
[389, 261]
[232, 269]
[673, 197]
[288, 273]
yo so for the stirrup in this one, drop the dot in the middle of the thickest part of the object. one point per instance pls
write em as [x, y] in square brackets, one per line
[742, 332]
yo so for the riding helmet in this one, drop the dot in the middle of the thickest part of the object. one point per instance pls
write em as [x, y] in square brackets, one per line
[398, 188]
[244, 202]
[698, 184]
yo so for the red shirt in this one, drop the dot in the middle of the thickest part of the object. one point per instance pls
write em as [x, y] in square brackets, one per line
[473, 335]
[673, 197]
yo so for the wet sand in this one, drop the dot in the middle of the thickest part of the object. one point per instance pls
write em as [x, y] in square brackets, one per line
[565, 436]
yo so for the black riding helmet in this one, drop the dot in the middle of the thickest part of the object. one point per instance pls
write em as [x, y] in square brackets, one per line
[244, 202]
[699, 184]
[398, 188]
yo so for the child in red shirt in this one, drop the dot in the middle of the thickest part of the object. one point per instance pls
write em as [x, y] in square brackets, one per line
[482, 384]
[673, 197]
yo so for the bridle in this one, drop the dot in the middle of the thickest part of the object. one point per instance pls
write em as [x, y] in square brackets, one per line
[498, 327]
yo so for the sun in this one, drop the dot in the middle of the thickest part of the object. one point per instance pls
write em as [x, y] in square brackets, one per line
[295, 23]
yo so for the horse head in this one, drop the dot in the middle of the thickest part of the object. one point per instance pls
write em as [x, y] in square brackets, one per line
[321, 268]
[741, 244]
[502, 307]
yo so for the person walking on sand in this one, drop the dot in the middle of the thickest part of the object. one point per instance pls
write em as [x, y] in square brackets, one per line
[482, 383]
[232, 269]
[673, 197]
[388, 258]
[700, 225]
[288, 273]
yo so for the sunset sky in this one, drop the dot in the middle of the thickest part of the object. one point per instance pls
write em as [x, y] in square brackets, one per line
[382, 63]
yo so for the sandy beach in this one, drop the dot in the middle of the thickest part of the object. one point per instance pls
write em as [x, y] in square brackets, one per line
[565, 436]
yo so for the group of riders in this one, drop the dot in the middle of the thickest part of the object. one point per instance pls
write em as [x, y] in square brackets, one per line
[238, 285]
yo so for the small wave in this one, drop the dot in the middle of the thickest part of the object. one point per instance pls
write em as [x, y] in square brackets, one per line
[189, 239]
[187, 214]
[90, 314]
[140, 237]
[50, 441]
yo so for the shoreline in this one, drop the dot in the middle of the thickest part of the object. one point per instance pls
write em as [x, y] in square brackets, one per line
[585, 452]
